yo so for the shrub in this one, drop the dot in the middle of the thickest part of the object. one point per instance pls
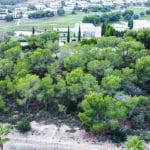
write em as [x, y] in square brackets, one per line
[118, 135]
[148, 12]
[142, 14]
[62, 109]
[136, 16]
[133, 90]
[24, 125]
[73, 12]
[139, 116]
[145, 136]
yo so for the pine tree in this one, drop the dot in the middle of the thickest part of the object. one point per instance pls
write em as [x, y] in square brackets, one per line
[68, 35]
[79, 34]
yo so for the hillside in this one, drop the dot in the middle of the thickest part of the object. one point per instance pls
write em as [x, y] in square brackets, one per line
[99, 87]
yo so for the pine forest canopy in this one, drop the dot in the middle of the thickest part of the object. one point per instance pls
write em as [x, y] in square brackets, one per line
[105, 81]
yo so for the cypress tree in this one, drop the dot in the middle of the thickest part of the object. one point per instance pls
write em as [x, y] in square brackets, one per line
[104, 25]
[109, 31]
[130, 24]
[79, 34]
[68, 35]
[33, 30]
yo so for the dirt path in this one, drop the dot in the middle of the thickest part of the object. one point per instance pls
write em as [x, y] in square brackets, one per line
[52, 137]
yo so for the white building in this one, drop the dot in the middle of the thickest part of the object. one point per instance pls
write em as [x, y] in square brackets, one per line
[3, 13]
[88, 31]
[40, 7]
[20, 11]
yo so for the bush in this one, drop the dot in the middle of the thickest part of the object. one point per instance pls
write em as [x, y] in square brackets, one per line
[136, 16]
[142, 14]
[133, 90]
[118, 135]
[145, 136]
[148, 12]
[139, 116]
[24, 125]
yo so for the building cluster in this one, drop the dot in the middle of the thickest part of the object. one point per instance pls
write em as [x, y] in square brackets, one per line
[22, 10]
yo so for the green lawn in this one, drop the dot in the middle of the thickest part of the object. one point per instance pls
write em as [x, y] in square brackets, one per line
[45, 23]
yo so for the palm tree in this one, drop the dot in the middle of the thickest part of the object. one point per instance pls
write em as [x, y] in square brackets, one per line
[133, 143]
[3, 133]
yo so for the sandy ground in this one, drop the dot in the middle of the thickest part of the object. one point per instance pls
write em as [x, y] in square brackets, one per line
[52, 137]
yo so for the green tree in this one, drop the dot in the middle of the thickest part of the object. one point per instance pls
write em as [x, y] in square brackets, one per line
[28, 89]
[4, 131]
[38, 60]
[128, 14]
[101, 112]
[41, 14]
[97, 67]
[111, 84]
[78, 84]
[6, 67]
[53, 47]
[47, 92]
[75, 61]
[2, 104]
[60, 12]
[61, 89]
[143, 71]
[130, 50]
[13, 53]
[9, 18]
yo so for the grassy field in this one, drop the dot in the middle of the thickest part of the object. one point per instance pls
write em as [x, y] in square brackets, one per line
[45, 23]
[138, 9]
[57, 21]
